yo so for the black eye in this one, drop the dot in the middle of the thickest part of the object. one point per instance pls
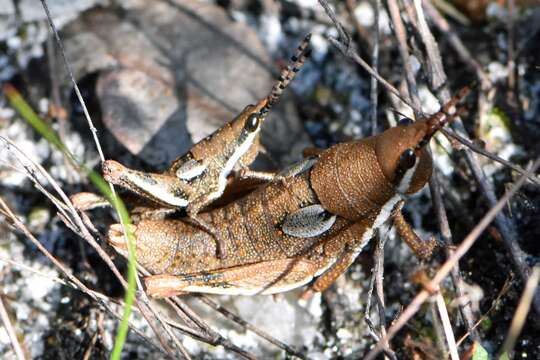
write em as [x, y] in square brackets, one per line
[405, 121]
[407, 160]
[252, 122]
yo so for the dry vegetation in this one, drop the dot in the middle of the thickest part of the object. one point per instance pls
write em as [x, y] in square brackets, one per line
[62, 286]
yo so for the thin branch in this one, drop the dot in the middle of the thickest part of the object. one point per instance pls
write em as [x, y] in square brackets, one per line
[494, 304]
[477, 149]
[521, 311]
[344, 37]
[72, 79]
[11, 331]
[438, 330]
[436, 70]
[511, 64]
[376, 282]
[446, 234]
[401, 36]
[374, 46]
[375, 62]
[447, 326]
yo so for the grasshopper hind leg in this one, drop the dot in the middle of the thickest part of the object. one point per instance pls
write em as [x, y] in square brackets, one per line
[264, 277]
[221, 251]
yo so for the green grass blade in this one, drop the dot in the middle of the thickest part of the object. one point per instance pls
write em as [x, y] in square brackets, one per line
[27, 113]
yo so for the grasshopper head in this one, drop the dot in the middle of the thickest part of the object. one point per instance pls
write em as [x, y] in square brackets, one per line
[402, 151]
[403, 156]
[251, 118]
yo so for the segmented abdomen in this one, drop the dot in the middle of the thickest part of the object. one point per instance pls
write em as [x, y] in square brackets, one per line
[249, 227]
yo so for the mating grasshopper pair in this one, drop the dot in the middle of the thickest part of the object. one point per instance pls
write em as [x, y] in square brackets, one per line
[310, 221]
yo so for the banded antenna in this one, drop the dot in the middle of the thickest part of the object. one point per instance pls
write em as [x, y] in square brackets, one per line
[288, 74]
[442, 117]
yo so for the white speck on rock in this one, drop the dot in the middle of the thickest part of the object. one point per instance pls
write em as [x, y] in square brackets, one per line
[271, 32]
[4, 337]
[429, 102]
[314, 305]
[22, 310]
[365, 14]
[319, 44]
[344, 334]
[496, 12]
[284, 319]
[307, 3]
[497, 71]
[36, 288]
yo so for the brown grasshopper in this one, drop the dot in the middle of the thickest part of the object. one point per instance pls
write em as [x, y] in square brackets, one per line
[198, 178]
[311, 223]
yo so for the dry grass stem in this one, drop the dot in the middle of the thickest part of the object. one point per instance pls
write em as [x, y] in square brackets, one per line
[522, 311]
[12, 333]
[447, 326]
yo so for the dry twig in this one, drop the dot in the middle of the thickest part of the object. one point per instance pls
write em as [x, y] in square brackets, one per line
[521, 311]
[11, 331]
[447, 326]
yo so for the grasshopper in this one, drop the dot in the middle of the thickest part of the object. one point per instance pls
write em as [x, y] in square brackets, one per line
[199, 177]
[309, 224]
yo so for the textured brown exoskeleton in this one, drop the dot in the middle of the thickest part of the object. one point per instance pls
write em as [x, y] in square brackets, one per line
[199, 177]
[311, 223]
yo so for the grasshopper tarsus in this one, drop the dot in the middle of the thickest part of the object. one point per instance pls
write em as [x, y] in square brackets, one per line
[247, 174]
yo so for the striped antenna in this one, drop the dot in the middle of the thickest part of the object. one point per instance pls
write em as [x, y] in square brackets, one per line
[442, 117]
[288, 74]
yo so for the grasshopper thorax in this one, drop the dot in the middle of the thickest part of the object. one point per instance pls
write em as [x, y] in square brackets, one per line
[403, 157]
[359, 178]
[367, 173]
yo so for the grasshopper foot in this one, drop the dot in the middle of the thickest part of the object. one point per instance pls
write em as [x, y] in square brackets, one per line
[113, 171]
[88, 201]
[246, 173]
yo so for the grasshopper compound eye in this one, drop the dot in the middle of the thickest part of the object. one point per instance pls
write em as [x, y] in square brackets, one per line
[252, 123]
[405, 121]
[407, 160]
